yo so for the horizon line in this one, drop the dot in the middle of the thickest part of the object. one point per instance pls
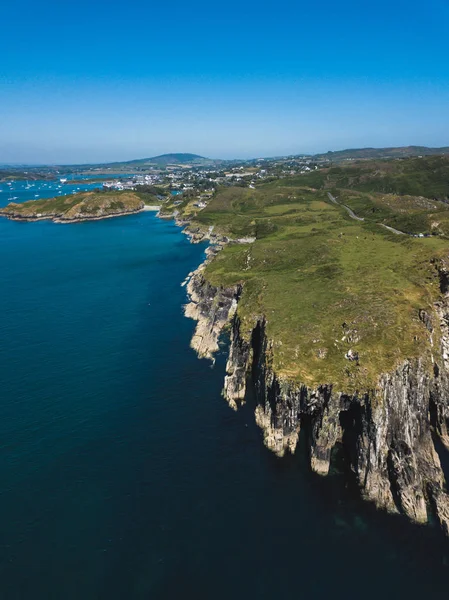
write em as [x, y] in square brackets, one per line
[307, 154]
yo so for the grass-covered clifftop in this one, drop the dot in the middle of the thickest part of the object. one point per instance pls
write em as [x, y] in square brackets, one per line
[76, 207]
[325, 284]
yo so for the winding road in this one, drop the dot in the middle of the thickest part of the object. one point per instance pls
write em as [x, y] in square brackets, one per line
[352, 214]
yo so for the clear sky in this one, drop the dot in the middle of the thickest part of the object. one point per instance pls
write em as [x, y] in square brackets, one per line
[98, 81]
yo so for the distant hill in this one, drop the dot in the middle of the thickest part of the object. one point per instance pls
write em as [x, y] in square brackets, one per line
[179, 158]
[161, 161]
[367, 153]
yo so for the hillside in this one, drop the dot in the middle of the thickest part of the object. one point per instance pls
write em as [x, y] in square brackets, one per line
[175, 159]
[75, 207]
[172, 159]
[427, 176]
[367, 153]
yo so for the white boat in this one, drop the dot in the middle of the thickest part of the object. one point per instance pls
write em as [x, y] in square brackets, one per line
[63, 180]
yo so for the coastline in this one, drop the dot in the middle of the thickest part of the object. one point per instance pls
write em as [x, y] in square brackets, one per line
[382, 418]
[398, 477]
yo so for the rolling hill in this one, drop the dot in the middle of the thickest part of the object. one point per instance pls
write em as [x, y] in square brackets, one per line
[427, 176]
[178, 158]
[367, 153]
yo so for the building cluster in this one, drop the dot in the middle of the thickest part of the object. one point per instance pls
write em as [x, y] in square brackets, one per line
[202, 180]
[131, 182]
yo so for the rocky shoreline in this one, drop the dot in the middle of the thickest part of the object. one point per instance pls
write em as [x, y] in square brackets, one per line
[387, 433]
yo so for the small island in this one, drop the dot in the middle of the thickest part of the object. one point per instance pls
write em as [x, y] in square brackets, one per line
[85, 206]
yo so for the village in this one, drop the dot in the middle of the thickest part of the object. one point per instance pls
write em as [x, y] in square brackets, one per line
[200, 183]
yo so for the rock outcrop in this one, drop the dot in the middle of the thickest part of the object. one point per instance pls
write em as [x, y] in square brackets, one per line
[212, 308]
[387, 433]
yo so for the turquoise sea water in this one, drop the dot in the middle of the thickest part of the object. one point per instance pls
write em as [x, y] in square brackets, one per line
[124, 474]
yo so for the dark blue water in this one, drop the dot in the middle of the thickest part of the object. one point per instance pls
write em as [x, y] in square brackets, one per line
[124, 475]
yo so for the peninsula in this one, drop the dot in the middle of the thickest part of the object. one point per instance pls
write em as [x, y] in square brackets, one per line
[85, 206]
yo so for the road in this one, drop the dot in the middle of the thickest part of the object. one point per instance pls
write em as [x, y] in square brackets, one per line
[393, 229]
[352, 214]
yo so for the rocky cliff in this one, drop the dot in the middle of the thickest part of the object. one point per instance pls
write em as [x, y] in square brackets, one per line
[387, 433]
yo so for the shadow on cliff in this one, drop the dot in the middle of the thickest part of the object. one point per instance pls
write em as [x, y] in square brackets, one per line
[421, 546]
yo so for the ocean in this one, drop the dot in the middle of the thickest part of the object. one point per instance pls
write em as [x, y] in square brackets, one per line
[125, 475]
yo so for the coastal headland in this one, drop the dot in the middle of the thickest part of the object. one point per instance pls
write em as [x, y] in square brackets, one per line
[84, 206]
[339, 324]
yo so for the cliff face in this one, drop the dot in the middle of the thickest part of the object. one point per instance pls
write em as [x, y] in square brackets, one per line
[386, 433]
[212, 309]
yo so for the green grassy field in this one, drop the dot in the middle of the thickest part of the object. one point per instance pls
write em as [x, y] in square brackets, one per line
[324, 283]
[411, 214]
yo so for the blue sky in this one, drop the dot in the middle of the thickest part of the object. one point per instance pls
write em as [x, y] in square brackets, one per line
[86, 82]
